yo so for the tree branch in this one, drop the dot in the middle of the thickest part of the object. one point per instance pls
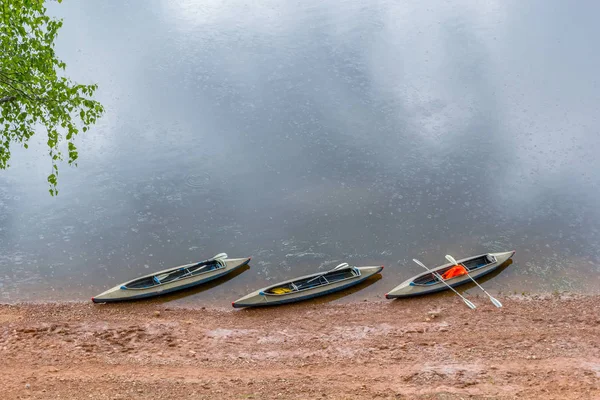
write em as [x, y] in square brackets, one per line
[7, 99]
[8, 83]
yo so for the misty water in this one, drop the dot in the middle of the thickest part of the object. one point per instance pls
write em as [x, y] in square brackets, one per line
[308, 133]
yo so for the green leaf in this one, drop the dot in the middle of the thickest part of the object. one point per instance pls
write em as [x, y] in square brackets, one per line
[52, 179]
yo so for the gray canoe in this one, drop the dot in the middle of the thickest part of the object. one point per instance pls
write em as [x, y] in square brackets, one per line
[426, 283]
[309, 286]
[172, 279]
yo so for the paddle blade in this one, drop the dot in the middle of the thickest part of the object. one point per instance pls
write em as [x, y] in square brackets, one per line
[342, 265]
[451, 259]
[469, 304]
[220, 256]
[496, 302]
[420, 263]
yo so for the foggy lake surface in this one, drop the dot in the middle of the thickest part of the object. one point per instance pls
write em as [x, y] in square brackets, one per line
[309, 133]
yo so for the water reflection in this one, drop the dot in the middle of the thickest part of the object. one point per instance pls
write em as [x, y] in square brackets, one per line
[305, 133]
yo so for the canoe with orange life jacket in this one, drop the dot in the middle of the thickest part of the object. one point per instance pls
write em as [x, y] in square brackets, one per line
[427, 282]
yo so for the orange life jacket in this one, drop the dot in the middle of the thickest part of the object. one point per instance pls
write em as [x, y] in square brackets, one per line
[455, 271]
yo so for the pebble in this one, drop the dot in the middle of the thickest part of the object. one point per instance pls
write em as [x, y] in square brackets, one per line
[157, 313]
[27, 386]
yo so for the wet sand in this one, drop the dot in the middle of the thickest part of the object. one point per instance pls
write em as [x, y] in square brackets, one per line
[534, 348]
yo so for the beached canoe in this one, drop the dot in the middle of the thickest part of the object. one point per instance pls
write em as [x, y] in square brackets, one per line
[306, 287]
[172, 279]
[426, 282]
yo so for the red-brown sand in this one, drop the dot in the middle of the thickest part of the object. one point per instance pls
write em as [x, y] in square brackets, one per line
[426, 348]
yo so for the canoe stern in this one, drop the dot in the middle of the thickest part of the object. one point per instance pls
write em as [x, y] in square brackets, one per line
[503, 257]
[107, 295]
[402, 290]
[252, 299]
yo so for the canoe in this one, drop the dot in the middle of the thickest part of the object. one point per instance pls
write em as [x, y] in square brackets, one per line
[426, 282]
[172, 279]
[307, 287]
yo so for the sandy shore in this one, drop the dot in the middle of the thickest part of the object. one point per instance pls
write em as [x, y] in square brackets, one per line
[533, 348]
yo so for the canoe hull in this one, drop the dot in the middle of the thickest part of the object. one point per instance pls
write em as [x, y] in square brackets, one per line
[407, 289]
[260, 299]
[117, 294]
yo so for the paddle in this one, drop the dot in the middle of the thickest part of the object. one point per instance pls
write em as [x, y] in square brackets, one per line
[220, 259]
[494, 301]
[342, 265]
[467, 302]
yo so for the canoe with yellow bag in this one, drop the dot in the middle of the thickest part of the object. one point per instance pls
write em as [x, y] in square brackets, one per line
[306, 287]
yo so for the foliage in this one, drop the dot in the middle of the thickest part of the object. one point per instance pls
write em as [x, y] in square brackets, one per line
[33, 92]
